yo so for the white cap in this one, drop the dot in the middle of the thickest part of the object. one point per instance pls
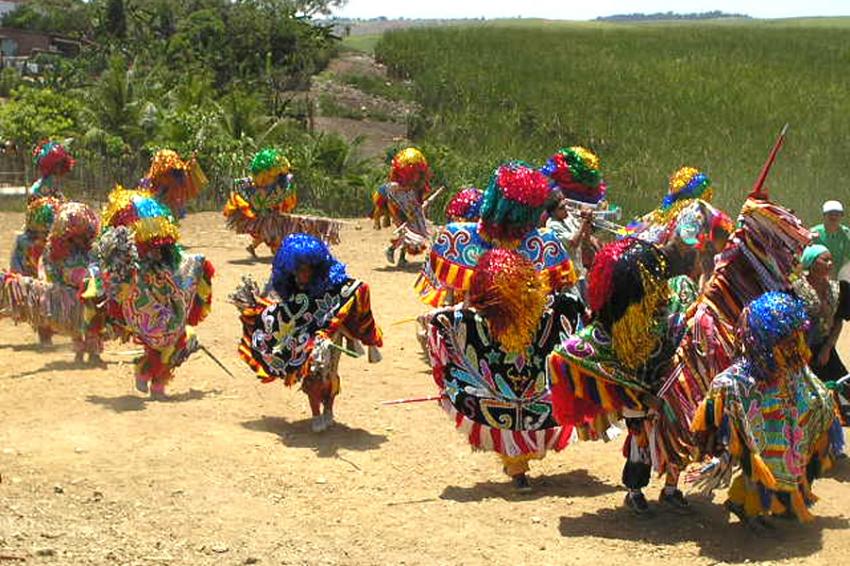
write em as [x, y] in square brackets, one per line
[832, 206]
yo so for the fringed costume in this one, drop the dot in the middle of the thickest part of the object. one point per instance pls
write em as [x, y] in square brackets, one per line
[153, 293]
[510, 210]
[29, 245]
[52, 161]
[298, 337]
[760, 256]
[402, 202]
[65, 263]
[687, 217]
[615, 365]
[769, 414]
[261, 205]
[488, 361]
[173, 180]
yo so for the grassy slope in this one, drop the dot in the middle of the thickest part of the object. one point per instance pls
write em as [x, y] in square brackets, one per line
[647, 97]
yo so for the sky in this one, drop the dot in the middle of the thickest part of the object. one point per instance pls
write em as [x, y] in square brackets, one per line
[584, 9]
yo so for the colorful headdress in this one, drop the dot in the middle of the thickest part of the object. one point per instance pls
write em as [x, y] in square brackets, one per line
[575, 171]
[687, 183]
[269, 167]
[627, 286]
[410, 168]
[151, 222]
[174, 180]
[74, 221]
[510, 294]
[770, 321]
[41, 212]
[465, 204]
[513, 202]
[51, 158]
[303, 249]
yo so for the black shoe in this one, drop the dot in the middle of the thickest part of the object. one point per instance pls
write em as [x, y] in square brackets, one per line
[521, 483]
[675, 501]
[637, 503]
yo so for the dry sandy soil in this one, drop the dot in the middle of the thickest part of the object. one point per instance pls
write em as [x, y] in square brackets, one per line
[227, 471]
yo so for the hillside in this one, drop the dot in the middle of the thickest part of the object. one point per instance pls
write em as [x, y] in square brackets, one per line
[648, 97]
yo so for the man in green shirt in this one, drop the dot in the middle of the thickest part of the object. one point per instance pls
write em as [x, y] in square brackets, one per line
[834, 235]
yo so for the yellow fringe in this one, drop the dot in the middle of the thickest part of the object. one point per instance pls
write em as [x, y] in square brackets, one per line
[761, 472]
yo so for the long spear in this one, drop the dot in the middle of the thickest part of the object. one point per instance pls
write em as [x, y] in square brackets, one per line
[759, 184]
[412, 400]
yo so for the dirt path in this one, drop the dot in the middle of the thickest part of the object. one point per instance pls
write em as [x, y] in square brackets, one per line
[344, 109]
[227, 472]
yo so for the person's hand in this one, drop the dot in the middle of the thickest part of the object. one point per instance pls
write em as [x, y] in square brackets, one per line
[823, 355]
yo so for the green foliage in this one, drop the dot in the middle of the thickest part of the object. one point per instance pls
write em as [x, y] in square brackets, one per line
[33, 114]
[204, 77]
[378, 86]
[647, 98]
[10, 78]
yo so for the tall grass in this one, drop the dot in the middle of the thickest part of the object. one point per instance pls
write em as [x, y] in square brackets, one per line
[647, 98]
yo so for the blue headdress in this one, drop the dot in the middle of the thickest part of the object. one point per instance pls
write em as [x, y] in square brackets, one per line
[766, 322]
[303, 249]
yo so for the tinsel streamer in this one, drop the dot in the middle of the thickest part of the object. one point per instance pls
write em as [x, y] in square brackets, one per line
[575, 171]
[465, 205]
[774, 319]
[510, 295]
[512, 203]
[116, 253]
[75, 226]
[41, 212]
[303, 249]
[269, 167]
[51, 158]
[151, 221]
[687, 183]
[410, 168]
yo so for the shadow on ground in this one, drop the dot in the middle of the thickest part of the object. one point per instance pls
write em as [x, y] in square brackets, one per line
[129, 403]
[326, 444]
[251, 260]
[576, 483]
[59, 365]
[410, 267]
[708, 527]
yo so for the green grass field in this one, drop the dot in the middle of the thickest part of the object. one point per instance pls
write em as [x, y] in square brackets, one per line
[646, 97]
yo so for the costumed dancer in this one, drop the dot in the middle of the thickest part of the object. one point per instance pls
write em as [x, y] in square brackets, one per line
[488, 361]
[29, 246]
[464, 206]
[578, 190]
[769, 414]
[687, 218]
[615, 365]
[828, 304]
[510, 210]
[173, 180]
[402, 201]
[153, 293]
[261, 205]
[52, 161]
[299, 337]
[65, 263]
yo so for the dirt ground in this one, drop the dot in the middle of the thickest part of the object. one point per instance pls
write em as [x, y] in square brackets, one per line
[227, 471]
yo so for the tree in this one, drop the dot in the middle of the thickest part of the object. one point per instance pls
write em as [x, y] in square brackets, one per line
[116, 19]
[36, 114]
